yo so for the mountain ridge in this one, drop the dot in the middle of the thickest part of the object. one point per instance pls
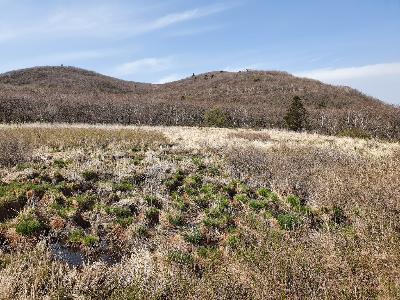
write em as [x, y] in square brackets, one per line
[247, 98]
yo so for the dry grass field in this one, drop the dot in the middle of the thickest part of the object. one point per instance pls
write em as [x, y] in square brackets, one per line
[114, 212]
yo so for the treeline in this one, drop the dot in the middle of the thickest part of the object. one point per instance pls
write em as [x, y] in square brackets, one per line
[385, 125]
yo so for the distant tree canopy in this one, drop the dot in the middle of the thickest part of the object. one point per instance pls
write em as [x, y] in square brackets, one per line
[296, 117]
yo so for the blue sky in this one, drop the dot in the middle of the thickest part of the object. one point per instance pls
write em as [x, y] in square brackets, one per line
[347, 42]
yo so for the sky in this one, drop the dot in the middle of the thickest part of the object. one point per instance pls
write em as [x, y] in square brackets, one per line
[343, 42]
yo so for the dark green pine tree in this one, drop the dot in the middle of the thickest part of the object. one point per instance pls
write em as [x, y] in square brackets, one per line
[296, 117]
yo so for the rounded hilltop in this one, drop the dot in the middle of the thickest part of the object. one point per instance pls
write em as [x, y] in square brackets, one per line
[62, 78]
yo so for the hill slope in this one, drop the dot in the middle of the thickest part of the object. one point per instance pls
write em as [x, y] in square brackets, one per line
[253, 98]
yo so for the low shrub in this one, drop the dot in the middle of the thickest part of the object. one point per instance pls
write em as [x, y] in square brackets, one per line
[118, 211]
[236, 187]
[338, 216]
[217, 221]
[123, 215]
[180, 203]
[142, 231]
[124, 221]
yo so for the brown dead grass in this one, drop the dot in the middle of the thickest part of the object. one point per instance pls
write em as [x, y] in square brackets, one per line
[251, 136]
[18, 142]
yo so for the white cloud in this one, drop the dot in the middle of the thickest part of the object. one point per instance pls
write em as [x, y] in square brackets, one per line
[145, 65]
[353, 72]
[381, 81]
[169, 78]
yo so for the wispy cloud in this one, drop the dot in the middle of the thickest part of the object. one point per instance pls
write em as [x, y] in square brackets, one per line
[179, 17]
[338, 74]
[75, 20]
[104, 20]
[145, 65]
[184, 32]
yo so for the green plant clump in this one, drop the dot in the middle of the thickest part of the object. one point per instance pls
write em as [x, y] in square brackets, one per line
[195, 237]
[243, 198]
[258, 205]
[78, 236]
[90, 240]
[85, 202]
[28, 225]
[233, 241]
[236, 187]
[175, 181]
[288, 221]
[264, 192]
[175, 219]
[338, 216]
[180, 257]
[123, 187]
